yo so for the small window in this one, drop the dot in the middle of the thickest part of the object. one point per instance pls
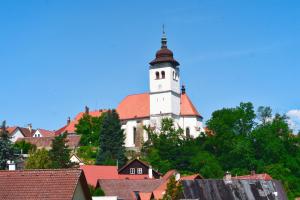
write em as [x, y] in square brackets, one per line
[132, 171]
[139, 170]
[173, 75]
[187, 132]
[157, 75]
[134, 135]
[163, 75]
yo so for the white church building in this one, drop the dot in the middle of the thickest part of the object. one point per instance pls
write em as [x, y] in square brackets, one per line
[166, 98]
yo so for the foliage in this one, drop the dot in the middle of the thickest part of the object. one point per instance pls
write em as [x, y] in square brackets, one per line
[60, 153]
[24, 147]
[6, 147]
[89, 128]
[111, 140]
[174, 190]
[87, 154]
[38, 159]
[96, 192]
[239, 145]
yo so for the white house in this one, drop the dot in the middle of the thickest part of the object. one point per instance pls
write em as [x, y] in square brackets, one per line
[16, 132]
[43, 133]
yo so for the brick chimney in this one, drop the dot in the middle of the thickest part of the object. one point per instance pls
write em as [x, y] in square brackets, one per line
[30, 127]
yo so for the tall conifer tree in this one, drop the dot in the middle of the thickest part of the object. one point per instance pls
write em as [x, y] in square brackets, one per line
[111, 141]
[6, 147]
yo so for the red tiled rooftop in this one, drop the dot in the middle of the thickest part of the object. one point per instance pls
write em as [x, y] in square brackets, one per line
[264, 176]
[46, 133]
[40, 184]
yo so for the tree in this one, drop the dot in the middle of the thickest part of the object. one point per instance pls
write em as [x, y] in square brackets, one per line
[6, 147]
[60, 153]
[24, 147]
[174, 190]
[264, 114]
[111, 140]
[38, 159]
[89, 128]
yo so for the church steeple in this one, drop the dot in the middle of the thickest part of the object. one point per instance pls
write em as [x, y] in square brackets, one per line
[164, 55]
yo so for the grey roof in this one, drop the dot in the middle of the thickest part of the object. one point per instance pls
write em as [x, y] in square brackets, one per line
[209, 189]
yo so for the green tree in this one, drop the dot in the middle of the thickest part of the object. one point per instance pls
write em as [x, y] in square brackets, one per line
[264, 114]
[60, 153]
[38, 159]
[174, 190]
[6, 147]
[111, 140]
[24, 147]
[89, 128]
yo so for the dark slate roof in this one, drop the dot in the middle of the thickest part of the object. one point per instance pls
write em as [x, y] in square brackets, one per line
[208, 189]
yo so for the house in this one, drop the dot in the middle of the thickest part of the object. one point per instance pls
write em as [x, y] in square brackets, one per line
[16, 132]
[63, 184]
[75, 159]
[208, 189]
[254, 176]
[43, 133]
[94, 173]
[46, 142]
[167, 98]
[140, 189]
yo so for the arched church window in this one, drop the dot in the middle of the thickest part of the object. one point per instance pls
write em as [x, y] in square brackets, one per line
[157, 75]
[187, 132]
[163, 74]
[173, 75]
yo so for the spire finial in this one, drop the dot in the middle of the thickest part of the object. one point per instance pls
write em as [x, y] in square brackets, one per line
[163, 38]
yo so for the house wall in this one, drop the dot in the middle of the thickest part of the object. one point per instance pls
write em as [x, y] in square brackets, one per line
[16, 134]
[79, 194]
[37, 134]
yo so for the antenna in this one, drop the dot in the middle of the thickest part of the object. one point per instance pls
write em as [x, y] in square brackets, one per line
[163, 28]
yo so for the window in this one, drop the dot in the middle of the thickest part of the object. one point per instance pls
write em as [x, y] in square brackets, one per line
[163, 74]
[173, 75]
[132, 171]
[157, 75]
[187, 132]
[139, 170]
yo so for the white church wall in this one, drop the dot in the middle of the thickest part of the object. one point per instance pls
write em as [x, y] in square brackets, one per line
[193, 124]
[129, 131]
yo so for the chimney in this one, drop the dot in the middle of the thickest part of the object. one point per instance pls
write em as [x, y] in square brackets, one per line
[30, 127]
[183, 89]
[227, 177]
[68, 120]
[87, 110]
[150, 172]
[177, 176]
[252, 172]
[11, 165]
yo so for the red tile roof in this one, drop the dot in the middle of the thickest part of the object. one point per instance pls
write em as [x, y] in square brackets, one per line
[46, 133]
[95, 172]
[70, 128]
[45, 142]
[191, 177]
[186, 107]
[134, 106]
[41, 184]
[138, 106]
[264, 176]
[124, 188]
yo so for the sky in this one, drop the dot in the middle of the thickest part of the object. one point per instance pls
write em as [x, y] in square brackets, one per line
[56, 56]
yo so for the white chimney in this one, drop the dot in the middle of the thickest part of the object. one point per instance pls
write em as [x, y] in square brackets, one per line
[11, 165]
[30, 127]
[177, 176]
[150, 172]
[227, 177]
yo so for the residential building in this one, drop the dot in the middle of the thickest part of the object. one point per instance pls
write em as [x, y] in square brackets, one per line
[62, 184]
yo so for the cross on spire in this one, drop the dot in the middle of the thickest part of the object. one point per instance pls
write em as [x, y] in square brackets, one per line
[163, 38]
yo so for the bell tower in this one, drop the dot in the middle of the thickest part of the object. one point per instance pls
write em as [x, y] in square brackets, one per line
[164, 79]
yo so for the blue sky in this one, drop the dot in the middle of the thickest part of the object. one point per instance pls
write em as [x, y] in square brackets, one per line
[56, 56]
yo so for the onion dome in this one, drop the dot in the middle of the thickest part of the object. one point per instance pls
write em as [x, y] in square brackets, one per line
[164, 54]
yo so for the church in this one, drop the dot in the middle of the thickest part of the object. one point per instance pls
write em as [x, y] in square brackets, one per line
[166, 98]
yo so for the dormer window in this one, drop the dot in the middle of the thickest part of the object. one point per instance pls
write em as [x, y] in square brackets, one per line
[157, 75]
[132, 170]
[163, 75]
